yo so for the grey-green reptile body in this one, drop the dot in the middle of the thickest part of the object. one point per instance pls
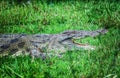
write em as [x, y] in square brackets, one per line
[40, 45]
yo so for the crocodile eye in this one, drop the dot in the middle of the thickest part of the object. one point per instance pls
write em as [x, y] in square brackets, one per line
[14, 40]
[21, 44]
[6, 46]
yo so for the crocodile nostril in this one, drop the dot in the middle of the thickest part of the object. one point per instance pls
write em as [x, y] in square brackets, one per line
[21, 44]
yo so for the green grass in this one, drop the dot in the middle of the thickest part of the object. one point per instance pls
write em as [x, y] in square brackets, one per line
[55, 17]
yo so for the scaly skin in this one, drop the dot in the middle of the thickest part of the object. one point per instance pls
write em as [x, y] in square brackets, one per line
[42, 45]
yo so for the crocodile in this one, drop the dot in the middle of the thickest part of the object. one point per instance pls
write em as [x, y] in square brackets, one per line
[42, 45]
